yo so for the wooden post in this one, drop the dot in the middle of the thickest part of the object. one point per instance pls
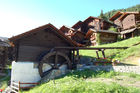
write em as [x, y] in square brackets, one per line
[56, 60]
[78, 59]
[97, 54]
[18, 86]
[17, 50]
[74, 56]
[103, 53]
[132, 34]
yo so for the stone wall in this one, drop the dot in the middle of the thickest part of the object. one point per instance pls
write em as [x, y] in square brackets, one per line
[130, 69]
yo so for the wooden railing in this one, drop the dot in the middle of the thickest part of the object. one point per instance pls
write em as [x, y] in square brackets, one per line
[16, 87]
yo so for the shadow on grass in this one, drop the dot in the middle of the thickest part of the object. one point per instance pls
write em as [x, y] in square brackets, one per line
[87, 73]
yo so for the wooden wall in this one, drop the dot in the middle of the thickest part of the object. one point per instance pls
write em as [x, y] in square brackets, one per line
[3, 56]
[108, 38]
[30, 47]
[78, 37]
[128, 21]
[118, 22]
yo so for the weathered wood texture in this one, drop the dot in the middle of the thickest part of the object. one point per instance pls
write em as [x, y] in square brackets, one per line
[107, 37]
[78, 37]
[129, 21]
[3, 57]
[32, 46]
[93, 23]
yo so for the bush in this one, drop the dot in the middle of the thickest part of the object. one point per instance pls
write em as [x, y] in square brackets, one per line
[112, 29]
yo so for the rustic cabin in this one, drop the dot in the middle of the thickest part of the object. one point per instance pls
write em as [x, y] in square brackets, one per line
[104, 36]
[38, 46]
[73, 34]
[93, 23]
[4, 45]
[128, 23]
[67, 31]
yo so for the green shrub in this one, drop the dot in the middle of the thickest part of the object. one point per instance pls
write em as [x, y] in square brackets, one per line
[112, 29]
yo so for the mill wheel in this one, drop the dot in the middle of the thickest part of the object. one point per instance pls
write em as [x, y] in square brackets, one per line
[53, 60]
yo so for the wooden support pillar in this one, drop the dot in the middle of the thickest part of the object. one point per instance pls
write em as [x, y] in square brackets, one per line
[17, 51]
[73, 56]
[132, 34]
[78, 58]
[56, 61]
[97, 54]
[103, 53]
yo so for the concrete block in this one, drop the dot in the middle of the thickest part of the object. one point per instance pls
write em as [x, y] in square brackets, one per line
[25, 73]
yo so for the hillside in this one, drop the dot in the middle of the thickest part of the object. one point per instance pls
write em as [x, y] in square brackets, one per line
[112, 12]
[88, 81]
[120, 54]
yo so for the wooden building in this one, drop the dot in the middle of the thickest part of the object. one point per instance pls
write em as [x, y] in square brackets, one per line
[4, 46]
[92, 22]
[96, 24]
[67, 31]
[128, 23]
[73, 34]
[126, 20]
[105, 36]
[38, 46]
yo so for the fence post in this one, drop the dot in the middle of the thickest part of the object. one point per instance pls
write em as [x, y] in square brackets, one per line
[18, 86]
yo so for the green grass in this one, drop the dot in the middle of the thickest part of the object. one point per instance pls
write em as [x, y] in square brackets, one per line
[4, 80]
[92, 74]
[75, 82]
[119, 54]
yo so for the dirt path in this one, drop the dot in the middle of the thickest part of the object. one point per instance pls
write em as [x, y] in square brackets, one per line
[132, 60]
[122, 80]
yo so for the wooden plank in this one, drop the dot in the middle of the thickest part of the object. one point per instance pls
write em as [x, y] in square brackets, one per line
[29, 83]
[14, 83]
[103, 53]
[13, 87]
[89, 48]
[14, 91]
[56, 60]
[97, 54]
[26, 87]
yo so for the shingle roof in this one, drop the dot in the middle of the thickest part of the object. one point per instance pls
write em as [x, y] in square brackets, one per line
[121, 14]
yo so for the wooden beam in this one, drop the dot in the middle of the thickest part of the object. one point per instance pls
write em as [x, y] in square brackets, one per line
[103, 53]
[90, 48]
[97, 54]
[17, 51]
[78, 56]
[72, 56]
[56, 61]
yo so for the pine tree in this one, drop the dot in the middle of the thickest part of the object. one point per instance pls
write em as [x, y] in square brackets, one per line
[102, 15]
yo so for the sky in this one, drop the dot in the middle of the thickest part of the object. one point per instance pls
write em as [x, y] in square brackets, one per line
[18, 16]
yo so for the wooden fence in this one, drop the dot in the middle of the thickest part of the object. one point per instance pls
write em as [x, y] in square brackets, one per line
[16, 87]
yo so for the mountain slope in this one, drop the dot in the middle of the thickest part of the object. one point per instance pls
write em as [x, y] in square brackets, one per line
[112, 12]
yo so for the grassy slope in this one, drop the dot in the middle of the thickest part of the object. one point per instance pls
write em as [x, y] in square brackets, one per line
[119, 54]
[4, 80]
[75, 82]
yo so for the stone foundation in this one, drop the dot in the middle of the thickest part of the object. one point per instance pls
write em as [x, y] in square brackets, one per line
[129, 69]
[25, 72]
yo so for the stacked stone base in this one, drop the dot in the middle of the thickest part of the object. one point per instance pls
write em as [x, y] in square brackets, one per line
[128, 69]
